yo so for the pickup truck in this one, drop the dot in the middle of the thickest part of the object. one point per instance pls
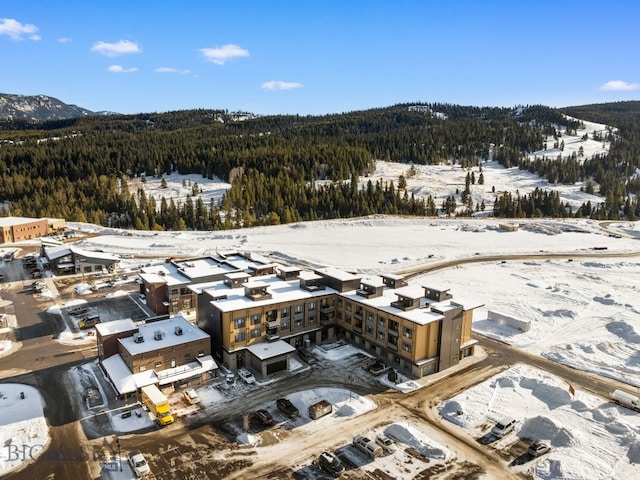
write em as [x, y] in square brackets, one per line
[370, 448]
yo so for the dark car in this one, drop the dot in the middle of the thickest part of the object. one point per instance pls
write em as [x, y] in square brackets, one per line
[379, 367]
[331, 464]
[288, 408]
[265, 417]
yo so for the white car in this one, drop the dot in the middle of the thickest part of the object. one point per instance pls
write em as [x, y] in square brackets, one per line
[386, 443]
[246, 375]
[191, 396]
[138, 464]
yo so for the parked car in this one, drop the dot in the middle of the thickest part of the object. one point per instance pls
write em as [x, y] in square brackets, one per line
[246, 375]
[288, 408]
[379, 367]
[78, 310]
[138, 463]
[366, 446]
[265, 417]
[331, 464]
[230, 378]
[504, 426]
[306, 355]
[386, 443]
[191, 396]
[537, 449]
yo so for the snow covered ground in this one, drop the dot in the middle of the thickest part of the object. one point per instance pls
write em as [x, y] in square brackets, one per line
[589, 436]
[24, 432]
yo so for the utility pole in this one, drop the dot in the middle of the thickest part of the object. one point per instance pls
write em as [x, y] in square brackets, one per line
[119, 457]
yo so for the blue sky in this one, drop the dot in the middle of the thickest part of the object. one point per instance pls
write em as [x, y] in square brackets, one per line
[317, 57]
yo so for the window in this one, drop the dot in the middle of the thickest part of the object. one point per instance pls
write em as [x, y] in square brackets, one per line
[239, 322]
[174, 306]
[311, 306]
[369, 317]
[381, 321]
[381, 336]
[187, 303]
[256, 318]
[406, 347]
[240, 337]
[158, 364]
[200, 353]
[408, 332]
[347, 318]
[285, 325]
[284, 312]
[143, 368]
[392, 339]
[256, 332]
[339, 302]
[369, 329]
[298, 308]
[297, 323]
[347, 306]
[393, 325]
[311, 321]
[187, 357]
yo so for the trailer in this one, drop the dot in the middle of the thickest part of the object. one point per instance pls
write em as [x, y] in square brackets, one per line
[625, 399]
[320, 409]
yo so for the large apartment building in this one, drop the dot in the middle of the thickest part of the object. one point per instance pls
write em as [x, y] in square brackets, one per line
[166, 287]
[258, 322]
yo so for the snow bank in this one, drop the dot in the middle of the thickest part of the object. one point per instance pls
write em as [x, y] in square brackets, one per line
[409, 435]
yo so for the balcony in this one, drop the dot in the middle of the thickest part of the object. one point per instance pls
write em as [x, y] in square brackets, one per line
[357, 328]
[272, 323]
[326, 320]
[326, 309]
[272, 337]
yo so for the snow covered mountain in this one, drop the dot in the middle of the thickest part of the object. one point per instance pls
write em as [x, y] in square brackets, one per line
[37, 108]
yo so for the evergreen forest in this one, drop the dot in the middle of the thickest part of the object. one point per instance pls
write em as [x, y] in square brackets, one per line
[290, 168]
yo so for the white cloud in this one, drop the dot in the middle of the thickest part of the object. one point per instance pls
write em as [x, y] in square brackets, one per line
[280, 85]
[16, 30]
[619, 86]
[172, 70]
[119, 69]
[122, 47]
[220, 55]
[64, 39]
